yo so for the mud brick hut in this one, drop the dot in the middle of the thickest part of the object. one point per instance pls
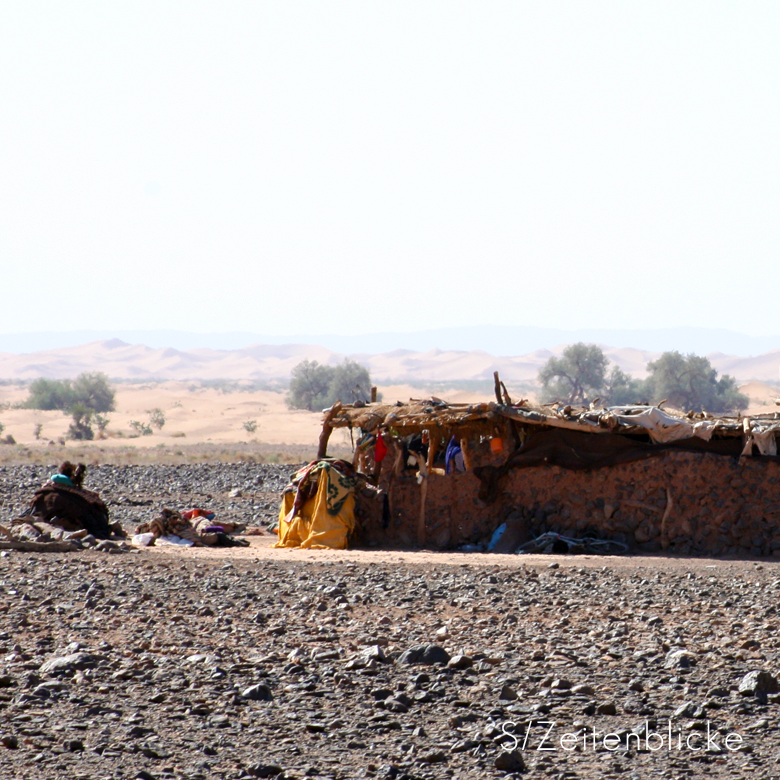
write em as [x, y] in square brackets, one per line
[655, 480]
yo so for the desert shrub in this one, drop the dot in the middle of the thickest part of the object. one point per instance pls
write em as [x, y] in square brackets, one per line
[141, 428]
[157, 418]
[102, 423]
[250, 426]
[37, 430]
[80, 428]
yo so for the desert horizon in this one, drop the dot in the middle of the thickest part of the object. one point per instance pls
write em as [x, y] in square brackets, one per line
[203, 416]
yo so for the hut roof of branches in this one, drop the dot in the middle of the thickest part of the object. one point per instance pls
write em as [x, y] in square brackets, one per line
[425, 414]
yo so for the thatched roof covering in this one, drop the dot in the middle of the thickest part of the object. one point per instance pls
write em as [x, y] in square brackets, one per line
[419, 414]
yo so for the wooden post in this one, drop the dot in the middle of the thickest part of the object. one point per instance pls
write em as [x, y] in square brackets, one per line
[464, 448]
[497, 387]
[423, 494]
[378, 468]
[373, 395]
[667, 512]
[432, 446]
[322, 450]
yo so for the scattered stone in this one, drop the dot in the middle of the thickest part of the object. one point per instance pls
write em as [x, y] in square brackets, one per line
[460, 662]
[679, 659]
[510, 761]
[507, 693]
[758, 683]
[67, 664]
[257, 692]
[424, 654]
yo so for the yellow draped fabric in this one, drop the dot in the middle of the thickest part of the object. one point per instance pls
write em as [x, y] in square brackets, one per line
[315, 526]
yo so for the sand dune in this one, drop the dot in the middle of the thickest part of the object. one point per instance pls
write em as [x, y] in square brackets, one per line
[265, 362]
[193, 415]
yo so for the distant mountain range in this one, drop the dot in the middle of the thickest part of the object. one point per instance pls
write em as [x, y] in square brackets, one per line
[492, 339]
[122, 360]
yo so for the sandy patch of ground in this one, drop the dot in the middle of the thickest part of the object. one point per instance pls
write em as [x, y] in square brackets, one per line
[261, 549]
[193, 415]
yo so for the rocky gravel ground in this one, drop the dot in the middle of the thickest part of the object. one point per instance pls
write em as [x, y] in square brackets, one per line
[190, 664]
[243, 492]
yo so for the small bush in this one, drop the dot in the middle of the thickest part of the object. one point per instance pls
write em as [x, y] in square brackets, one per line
[250, 426]
[141, 429]
[102, 423]
[157, 418]
[37, 430]
[81, 429]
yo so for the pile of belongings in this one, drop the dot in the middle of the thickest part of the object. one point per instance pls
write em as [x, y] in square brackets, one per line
[318, 506]
[193, 528]
[64, 509]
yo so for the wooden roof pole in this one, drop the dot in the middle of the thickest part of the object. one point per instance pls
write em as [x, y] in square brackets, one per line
[423, 494]
[322, 450]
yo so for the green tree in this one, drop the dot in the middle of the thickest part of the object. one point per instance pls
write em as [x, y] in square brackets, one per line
[90, 390]
[580, 373]
[690, 383]
[50, 394]
[94, 391]
[309, 385]
[316, 387]
[622, 388]
[350, 382]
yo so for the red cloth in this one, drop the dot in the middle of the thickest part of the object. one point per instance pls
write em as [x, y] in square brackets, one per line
[380, 449]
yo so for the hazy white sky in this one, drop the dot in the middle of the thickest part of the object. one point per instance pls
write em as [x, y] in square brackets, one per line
[288, 167]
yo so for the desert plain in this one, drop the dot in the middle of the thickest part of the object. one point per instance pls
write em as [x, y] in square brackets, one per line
[188, 664]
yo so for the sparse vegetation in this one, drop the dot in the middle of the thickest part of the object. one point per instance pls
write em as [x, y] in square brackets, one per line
[102, 423]
[80, 428]
[37, 431]
[250, 426]
[141, 428]
[87, 395]
[157, 418]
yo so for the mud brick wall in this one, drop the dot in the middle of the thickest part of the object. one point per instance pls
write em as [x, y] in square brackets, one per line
[719, 506]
